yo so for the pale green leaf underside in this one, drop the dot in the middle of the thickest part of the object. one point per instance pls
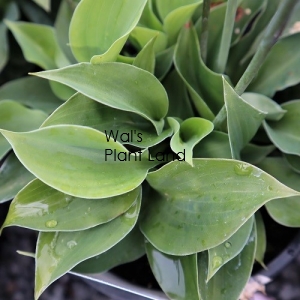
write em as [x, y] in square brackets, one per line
[79, 161]
[216, 195]
[42, 208]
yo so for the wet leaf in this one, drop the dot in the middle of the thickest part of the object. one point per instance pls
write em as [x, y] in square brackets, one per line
[183, 283]
[115, 20]
[192, 202]
[80, 161]
[99, 83]
[59, 252]
[42, 208]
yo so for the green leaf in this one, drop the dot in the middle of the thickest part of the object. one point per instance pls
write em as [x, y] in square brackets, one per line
[192, 202]
[286, 72]
[220, 255]
[45, 4]
[38, 43]
[273, 111]
[285, 133]
[129, 249]
[59, 252]
[231, 279]
[293, 162]
[107, 84]
[176, 275]
[79, 161]
[42, 208]
[284, 211]
[180, 105]
[164, 62]
[61, 91]
[149, 19]
[16, 117]
[31, 91]
[261, 239]
[146, 57]
[254, 154]
[177, 18]
[62, 24]
[240, 129]
[126, 127]
[140, 36]
[13, 177]
[115, 20]
[187, 134]
[207, 94]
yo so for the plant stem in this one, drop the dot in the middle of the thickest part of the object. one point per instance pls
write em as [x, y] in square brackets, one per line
[223, 52]
[204, 29]
[271, 36]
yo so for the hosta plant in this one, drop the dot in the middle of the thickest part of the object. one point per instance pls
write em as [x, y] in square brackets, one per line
[171, 137]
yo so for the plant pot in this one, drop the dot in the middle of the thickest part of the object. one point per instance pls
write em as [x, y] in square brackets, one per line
[117, 288]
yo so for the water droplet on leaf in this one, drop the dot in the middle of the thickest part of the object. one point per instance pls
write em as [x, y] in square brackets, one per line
[51, 223]
[227, 244]
[242, 169]
[217, 262]
[71, 244]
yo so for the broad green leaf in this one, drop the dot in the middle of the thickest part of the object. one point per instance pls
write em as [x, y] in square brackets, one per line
[285, 133]
[180, 105]
[61, 91]
[215, 145]
[115, 20]
[62, 24]
[177, 18]
[139, 91]
[220, 255]
[38, 43]
[140, 36]
[207, 94]
[146, 57]
[285, 210]
[165, 7]
[261, 239]
[176, 275]
[129, 249]
[42, 208]
[59, 252]
[231, 279]
[273, 111]
[187, 134]
[45, 4]
[80, 161]
[240, 129]
[125, 127]
[164, 61]
[273, 77]
[254, 154]
[293, 161]
[216, 195]
[13, 177]
[16, 117]
[31, 91]
[149, 19]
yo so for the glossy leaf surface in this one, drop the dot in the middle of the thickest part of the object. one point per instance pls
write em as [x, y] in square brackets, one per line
[138, 91]
[42, 208]
[187, 134]
[59, 252]
[31, 91]
[115, 20]
[13, 177]
[220, 255]
[16, 117]
[176, 275]
[216, 195]
[230, 280]
[285, 133]
[240, 129]
[130, 248]
[273, 111]
[284, 211]
[73, 159]
[126, 127]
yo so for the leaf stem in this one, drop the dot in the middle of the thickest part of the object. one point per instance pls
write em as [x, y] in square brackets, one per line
[223, 50]
[271, 36]
[204, 29]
